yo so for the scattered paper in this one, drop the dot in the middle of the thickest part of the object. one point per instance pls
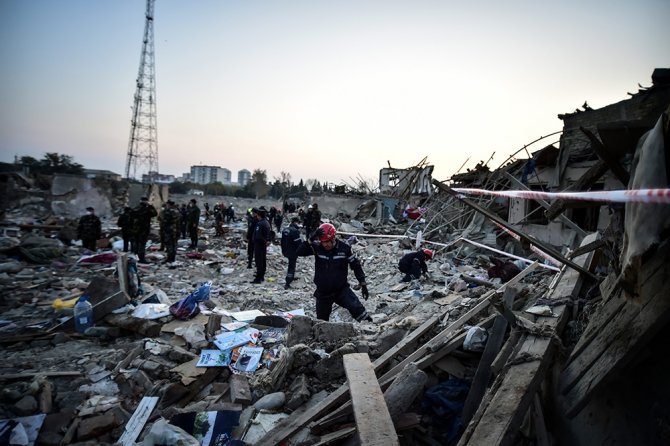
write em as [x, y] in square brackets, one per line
[247, 316]
[231, 339]
[214, 358]
[249, 359]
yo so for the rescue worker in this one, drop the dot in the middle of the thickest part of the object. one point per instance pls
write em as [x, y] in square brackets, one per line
[251, 227]
[261, 240]
[278, 220]
[143, 214]
[125, 222]
[290, 240]
[170, 223]
[161, 215]
[89, 229]
[192, 222]
[332, 260]
[414, 264]
[230, 214]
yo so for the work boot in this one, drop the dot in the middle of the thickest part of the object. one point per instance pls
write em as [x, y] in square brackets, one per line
[287, 286]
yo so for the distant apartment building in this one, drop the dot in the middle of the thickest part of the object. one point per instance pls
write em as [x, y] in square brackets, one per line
[157, 178]
[243, 177]
[208, 174]
[97, 173]
[226, 176]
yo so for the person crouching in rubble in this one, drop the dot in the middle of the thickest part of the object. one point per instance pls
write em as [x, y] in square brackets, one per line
[332, 260]
[89, 229]
[414, 264]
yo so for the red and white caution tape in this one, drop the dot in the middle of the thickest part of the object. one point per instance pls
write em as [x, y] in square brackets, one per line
[661, 196]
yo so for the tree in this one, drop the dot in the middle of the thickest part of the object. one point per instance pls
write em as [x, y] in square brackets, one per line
[53, 162]
[259, 184]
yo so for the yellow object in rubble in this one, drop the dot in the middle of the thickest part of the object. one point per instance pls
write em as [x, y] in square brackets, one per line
[60, 304]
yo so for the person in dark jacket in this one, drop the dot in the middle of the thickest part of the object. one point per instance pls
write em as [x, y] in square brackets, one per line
[251, 227]
[414, 264]
[89, 229]
[192, 222]
[278, 220]
[182, 222]
[261, 241]
[143, 214]
[332, 260]
[170, 229]
[290, 240]
[125, 222]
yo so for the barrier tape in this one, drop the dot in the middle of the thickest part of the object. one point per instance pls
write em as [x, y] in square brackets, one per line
[661, 196]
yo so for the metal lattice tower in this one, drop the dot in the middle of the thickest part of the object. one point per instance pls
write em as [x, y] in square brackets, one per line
[143, 143]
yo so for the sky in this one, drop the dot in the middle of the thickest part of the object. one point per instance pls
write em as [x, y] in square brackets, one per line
[320, 89]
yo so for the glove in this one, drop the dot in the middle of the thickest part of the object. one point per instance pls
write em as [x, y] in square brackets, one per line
[364, 291]
[316, 234]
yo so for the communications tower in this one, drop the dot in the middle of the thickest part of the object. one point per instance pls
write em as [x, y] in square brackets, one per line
[143, 143]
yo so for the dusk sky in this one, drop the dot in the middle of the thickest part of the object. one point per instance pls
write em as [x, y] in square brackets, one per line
[331, 90]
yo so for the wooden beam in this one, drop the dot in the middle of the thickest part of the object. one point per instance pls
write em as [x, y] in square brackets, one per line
[606, 156]
[621, 331]
[292, 424]
[483, 374]
[137, 421]
[373, 421]
[540, 245]
[565, 220]
[500, 420]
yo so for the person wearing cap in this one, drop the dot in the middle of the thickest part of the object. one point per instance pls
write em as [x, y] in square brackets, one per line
[332, 260]
[143, 214]
[413, 264]
[192, 222]
[251, 227]
[290, 240]
[89, 229]
[261, 241]
[170, 227]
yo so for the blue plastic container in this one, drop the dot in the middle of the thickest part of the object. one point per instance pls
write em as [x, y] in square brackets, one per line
[83, 314]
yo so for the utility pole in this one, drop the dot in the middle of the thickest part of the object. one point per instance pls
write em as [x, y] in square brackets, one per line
[143, 143]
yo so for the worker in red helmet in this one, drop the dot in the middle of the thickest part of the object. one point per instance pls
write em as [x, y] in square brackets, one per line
[332, 260]
[414, 264]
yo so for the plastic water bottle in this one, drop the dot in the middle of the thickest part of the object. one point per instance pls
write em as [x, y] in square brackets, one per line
[83, 314]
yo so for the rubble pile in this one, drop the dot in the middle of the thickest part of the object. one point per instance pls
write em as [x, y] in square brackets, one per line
[248, 354]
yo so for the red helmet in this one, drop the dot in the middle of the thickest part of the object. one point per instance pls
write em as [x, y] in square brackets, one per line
[328, 232]
[428, 253]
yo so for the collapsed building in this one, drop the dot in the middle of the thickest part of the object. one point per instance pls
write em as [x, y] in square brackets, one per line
[565, 345]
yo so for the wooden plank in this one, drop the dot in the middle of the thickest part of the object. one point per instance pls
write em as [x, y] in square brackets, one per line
[565, 220]
[122, 271]
[619, 341]
[483, 374]
[500, 421]
[137, 421]
[373, 421]
[433, 344]
[452, 344]
[292, 424]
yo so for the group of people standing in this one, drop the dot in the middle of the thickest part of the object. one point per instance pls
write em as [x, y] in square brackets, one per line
[135, 224]
[333, 257]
